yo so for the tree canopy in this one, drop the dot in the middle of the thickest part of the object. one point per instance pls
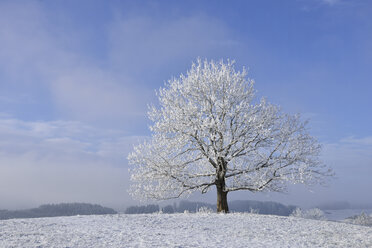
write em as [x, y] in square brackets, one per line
[209, 129]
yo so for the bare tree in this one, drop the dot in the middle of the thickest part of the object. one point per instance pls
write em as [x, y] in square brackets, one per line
[210, 130]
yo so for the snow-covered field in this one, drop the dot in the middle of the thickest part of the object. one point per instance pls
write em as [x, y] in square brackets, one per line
[181, 230]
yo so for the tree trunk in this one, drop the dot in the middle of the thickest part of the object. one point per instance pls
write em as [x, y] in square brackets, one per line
[222, 206]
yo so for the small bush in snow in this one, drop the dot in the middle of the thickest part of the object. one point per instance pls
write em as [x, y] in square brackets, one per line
[254, 211]
[362, 219]
[205, 210]
[297, 213]
[314, 214]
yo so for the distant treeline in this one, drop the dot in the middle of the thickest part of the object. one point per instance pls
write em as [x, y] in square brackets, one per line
[343, 205]
[52, 210]
[273, 208]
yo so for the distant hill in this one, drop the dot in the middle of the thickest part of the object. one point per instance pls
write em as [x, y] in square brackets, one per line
[262, 207]
[340, 205]
[147, 209]
[335, 205]
[52, 210]
[272, 208]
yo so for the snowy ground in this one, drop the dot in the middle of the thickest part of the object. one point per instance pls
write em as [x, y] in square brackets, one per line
[181, 230]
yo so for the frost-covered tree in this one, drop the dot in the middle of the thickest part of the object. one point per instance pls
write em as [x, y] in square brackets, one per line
[209, 130]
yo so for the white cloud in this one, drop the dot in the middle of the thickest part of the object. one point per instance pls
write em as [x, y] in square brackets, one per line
[351, 159]
[61, 137]
[41, 64]
[363, 141]
[331, 2]
[62, 161]
[349, 152]
[28, 181]
[37, 60]
[143, 44]
[90, 94]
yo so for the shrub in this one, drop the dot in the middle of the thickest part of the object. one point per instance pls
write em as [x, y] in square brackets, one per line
[314, 214]
[205, 210]
[363, 219]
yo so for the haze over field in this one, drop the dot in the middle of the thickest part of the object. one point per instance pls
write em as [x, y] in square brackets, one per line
[76, 78]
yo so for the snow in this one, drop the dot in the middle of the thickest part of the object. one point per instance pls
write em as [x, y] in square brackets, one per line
[181, 230]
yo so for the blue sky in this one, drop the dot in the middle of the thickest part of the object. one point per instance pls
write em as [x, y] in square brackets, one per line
[76, 78]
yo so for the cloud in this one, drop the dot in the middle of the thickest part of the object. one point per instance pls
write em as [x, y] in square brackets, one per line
[55, 95]
[47, 62]
[351, 159]
[62, 137]
[38, 63]
[358, 142]
[28, 181]
[142, 44]
[62, 161]
[331, 2]
[91, 94]
[349, 153]
[311, 5]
